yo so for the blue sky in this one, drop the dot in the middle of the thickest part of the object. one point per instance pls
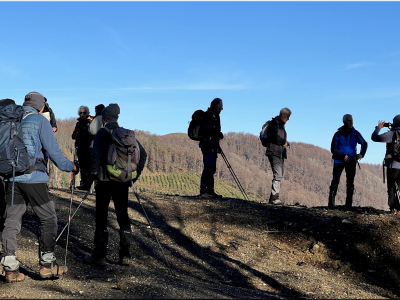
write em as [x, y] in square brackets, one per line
[161, 61]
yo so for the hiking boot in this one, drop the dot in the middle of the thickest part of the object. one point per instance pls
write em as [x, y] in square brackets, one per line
[95, 261]
[125, 261]
[214, 195]
[276, 202]
[14, 276]
[52, 272]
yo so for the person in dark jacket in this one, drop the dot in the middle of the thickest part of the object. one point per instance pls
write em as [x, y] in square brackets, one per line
[107, 189]
[392, 165]
[344, 152]
[31, 189]
[82, 144]
[210, 132]
[49, 115]
[277, 145]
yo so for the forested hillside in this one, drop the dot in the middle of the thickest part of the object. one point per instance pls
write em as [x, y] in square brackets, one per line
[175, 163]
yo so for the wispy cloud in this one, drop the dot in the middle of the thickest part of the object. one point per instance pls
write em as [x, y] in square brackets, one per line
[189, 87]
[358, 65]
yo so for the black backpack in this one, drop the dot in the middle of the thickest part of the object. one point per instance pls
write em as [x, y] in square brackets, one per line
[195, 124]
[396, 145]
[14, 157]
[263, 134]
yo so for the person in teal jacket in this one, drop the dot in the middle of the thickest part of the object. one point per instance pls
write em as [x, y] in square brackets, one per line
[344, 152]
[31, 189]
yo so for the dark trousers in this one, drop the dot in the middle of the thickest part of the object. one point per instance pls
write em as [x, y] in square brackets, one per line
[84, 158]
[210, 167]
[2, 206]
[118, 191]
[36, 195]
[350, 168]
[393, 175]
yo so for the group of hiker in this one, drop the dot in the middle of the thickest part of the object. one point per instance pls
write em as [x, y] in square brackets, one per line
[96, 139]
[112, 157]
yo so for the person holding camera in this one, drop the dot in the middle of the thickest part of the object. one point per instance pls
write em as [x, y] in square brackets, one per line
[277, 145]
[392, 159]
[344, 153]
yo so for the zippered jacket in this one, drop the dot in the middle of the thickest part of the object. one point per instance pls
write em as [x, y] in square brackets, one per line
[210, 130]
[40, 142]
[342, 145]
[276, 138]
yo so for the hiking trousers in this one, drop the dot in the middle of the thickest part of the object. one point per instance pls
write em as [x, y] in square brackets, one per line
[36, 195]
[84, 157]
[277, 164]
[350, 168]
[393, 175]
[118, 191]
[210, 167]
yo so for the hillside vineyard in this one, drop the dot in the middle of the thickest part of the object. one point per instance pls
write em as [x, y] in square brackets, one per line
[308, 169]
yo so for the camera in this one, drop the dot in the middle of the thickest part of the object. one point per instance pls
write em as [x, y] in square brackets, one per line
[388, 125]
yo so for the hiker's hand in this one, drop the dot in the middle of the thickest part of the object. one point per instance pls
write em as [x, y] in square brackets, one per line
[380, 124]
[54, 129]
[76, 168]
[359, 156]
[221, 136]
[346, 158]
[285, 145]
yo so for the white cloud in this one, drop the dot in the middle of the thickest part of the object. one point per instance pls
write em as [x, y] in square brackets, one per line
[358, 65]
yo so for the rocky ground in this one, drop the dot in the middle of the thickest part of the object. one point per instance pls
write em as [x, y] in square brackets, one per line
[225, 248]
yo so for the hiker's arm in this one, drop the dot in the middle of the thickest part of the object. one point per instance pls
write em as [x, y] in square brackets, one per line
[364, 145]
[382, 138]
[99, 150]
[142, 160]
[336, 154]
[50, 145]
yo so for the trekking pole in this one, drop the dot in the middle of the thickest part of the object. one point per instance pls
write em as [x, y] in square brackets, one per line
[69, 216]
[148, 220]
[234, 175]
[66, 225]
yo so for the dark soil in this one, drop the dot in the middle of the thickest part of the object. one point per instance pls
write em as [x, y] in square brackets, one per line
[220, 248]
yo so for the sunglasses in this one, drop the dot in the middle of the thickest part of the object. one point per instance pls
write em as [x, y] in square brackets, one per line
[82, 112]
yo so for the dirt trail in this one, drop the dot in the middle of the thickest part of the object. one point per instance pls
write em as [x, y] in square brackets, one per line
[225, 248]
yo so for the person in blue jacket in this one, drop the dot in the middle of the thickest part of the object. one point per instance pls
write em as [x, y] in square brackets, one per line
[344, 152]
[30, 188]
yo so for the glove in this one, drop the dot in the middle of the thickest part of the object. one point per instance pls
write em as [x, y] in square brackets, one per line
[221, 135]
[76, 168]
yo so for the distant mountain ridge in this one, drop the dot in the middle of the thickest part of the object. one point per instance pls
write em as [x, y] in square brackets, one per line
[307, 174]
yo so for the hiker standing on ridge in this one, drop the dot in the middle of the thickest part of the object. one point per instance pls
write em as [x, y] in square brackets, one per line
[82, 142]
[344, 152]
[108, 188]
[210, 132]
[30, 188]
[276, 148]
[392, 160]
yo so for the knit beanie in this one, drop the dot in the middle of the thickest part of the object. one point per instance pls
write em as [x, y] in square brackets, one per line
[35, 100]
[6, 101]
[396, 121]
[111, 112]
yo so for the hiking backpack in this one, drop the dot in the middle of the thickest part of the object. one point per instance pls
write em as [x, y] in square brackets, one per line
[195, 124]
[396, 145]
[123, 155]
[14, 157]
[263, 134]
